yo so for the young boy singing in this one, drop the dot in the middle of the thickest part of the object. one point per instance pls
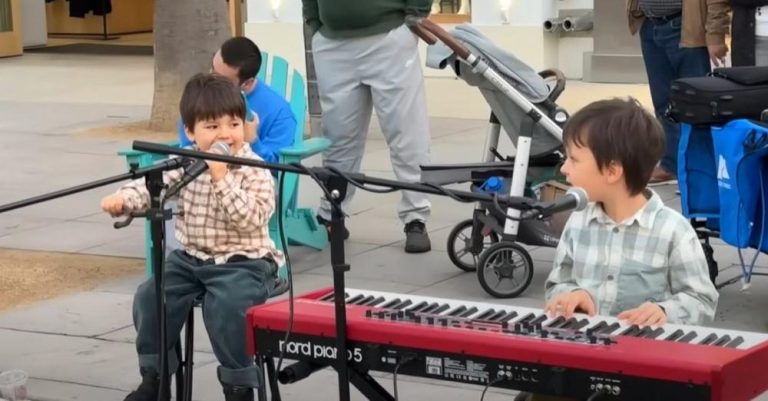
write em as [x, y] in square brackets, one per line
[227, 256]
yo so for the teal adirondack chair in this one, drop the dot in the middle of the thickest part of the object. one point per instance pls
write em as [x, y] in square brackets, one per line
[301, 227]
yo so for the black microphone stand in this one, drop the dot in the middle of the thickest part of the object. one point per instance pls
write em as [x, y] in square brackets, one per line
[336, 182]
[154, 181]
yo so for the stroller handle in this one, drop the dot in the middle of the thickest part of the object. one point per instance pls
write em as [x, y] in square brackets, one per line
[559, 82]
[431, 32]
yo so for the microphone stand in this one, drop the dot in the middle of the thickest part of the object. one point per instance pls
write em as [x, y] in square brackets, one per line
[154, 182]
[336, 180]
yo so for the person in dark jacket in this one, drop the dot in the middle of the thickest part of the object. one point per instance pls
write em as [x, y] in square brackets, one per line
[749, 32]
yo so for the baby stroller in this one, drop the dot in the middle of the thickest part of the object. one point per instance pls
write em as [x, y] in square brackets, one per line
[524, 105]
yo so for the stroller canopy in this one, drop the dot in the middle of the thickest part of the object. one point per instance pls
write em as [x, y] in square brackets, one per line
[519, 74]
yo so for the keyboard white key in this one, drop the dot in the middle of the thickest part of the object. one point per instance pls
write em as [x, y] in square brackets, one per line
[499, 312]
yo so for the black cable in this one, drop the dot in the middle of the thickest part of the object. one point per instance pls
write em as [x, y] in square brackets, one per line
[165, 375]
[490, 383]
[402, 362]
[284, 242]
[597, 394]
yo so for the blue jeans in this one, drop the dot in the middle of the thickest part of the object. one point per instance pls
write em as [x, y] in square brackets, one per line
[666, 61]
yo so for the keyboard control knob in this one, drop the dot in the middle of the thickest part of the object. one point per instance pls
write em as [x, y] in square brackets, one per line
[616, 390]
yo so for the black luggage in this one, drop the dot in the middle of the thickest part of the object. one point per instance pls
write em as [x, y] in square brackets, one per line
[726, 94]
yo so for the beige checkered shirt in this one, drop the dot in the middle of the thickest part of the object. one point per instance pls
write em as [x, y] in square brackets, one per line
[222, 219]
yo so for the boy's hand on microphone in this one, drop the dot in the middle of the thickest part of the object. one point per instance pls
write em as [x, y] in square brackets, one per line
[217, 169]
[251, 126]
[113, 204]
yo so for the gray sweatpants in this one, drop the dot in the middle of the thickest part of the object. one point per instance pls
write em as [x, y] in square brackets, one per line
[382, 72]
[228, 290]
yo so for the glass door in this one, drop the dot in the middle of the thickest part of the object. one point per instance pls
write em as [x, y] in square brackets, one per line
[10, 28]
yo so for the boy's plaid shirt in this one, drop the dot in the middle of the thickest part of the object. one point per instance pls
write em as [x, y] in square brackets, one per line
[222, 219]
[653, 256]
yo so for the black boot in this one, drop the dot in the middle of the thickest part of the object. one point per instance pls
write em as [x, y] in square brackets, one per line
[149, 387]
[235, 393]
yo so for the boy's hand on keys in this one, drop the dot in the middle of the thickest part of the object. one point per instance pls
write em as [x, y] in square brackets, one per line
[647, 314]
[567, 304]
[113, 204]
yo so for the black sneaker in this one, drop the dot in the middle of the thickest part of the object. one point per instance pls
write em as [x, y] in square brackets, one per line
[149, 387]
[327, 225]
[416, 237]
[232, 393]
[280, 287]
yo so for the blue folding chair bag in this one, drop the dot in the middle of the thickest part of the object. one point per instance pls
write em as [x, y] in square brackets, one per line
[697, 173]
[740, 150]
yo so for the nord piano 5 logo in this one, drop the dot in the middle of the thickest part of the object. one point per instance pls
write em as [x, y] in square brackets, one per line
[318, 351]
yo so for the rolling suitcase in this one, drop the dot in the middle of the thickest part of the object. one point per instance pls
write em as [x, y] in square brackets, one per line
[726, 94]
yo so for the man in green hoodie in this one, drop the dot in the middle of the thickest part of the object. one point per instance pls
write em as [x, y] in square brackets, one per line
[365, 57]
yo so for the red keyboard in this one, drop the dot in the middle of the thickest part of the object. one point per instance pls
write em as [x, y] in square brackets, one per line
[517, 348]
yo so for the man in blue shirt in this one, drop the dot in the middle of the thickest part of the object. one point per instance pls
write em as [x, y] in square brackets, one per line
[239, 59]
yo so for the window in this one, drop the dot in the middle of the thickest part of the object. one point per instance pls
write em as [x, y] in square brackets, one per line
[6, 19]
[450, 11]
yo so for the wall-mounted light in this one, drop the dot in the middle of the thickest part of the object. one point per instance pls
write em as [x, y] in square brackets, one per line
[275, 4]
[505, 6]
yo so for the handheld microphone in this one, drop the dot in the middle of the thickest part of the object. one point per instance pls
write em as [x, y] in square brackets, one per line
[574, 199]
[196, 169]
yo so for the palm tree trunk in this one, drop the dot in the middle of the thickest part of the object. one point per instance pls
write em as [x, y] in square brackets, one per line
[187, 34]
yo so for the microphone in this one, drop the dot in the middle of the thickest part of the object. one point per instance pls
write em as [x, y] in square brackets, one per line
[196, 169]
[575, 198]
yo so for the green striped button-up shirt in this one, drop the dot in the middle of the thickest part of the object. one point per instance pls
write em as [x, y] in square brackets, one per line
[653, 256]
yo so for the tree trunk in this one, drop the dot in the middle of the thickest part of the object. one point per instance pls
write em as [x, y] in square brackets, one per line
[187, 34]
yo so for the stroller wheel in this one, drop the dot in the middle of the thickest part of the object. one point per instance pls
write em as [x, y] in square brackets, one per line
[460, 245]
[505, 270]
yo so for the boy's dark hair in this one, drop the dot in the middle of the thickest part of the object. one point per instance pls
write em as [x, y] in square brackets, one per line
[207, 96]
[241, 53]
[621, 131]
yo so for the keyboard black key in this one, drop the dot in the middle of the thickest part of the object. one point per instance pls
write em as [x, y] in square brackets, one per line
[442, 308]
[735, 342]
[540, 319]
[568, 323]
[610, 329]
[580, 324]
[457, 311]
[509, 316]
[526, 319]
[630, 331]
[556, 322]
[708, 339]
[328, 297]
[403, 304]
[419, 306]
[688, 337]
[485, 314]
[675, 335]
[391, 303]
[722, 341]
[355, 299]
[597, 327]
[655, 333]
[469, 312]
[644, 331]
[496, 316]
[430, 308]
[365, 300]
[375, 301]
